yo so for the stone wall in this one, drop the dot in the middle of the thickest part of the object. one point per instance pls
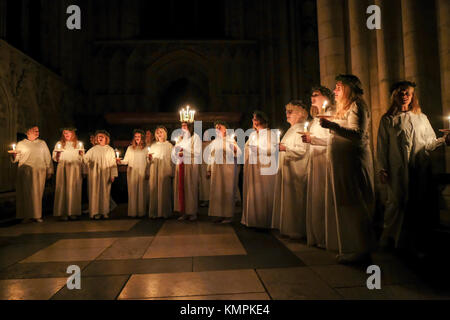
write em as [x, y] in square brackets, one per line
[29, 93]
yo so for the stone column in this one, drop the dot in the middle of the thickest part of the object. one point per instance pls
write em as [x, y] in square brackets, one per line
[330, 19]
[443, 12]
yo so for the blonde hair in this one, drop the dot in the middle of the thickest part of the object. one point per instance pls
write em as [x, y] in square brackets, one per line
[106, 138]
[297, 109]
[74, 138]
[163, 130]
[395, 108]
[348, 98]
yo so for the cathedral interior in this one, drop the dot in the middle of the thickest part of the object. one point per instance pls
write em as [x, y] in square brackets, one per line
[134, 64]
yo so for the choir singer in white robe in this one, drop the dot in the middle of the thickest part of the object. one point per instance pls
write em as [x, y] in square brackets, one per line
[136, 160]
[350, 198]
[101, 165]
[222, 170]
[187, 155]
[405, 142]
[68, 153]
[35, 166]
[322, 102]
[289, 208]
[258, 191]
[160, 170]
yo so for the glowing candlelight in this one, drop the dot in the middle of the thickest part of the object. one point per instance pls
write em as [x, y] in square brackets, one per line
[448, 121]
[58, 146]
[117, 154]
[14, 147]
[278, 136]
[181, 116]
[306, 126]
[324, 106]
[80, 145]
[148, 150]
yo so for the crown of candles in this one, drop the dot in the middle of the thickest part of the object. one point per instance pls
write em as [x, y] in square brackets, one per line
[187, 115]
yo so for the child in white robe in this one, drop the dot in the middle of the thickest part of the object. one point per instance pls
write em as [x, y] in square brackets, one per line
[136, 159]
[101, 167]
[160, 170]
[68, 153]
[35, 166]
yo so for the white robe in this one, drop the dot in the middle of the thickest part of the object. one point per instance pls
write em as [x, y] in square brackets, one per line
[136, 159]
[192, 149]
[404, 145]
[101, 167]
[69, 181]
[161, 171]
[317, 178]
[258, 191]
[34, 164]
[205, 182]
[222, 164]
[350, 188]
[289, 208]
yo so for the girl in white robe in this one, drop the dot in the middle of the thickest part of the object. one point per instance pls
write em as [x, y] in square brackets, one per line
[35, 166]
[187, 155]
[321, 103]
[136, 160]
[222, 170]
[258, 191]
[160, 170]
[350, 196]
[68, 153]
[405, 140]
[289, 208]
[101, 166]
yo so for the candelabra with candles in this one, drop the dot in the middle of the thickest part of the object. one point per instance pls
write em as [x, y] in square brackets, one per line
[187, 115]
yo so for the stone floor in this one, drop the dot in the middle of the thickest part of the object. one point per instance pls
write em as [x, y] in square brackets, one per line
[167, 259]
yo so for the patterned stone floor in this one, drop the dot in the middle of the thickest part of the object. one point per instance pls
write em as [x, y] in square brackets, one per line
[168, 259]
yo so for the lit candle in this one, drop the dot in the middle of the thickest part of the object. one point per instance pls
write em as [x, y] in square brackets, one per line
[14, 146]
[324, 106]
[278, 136]
[148, 150]
[80, 145]
[181, 115]
[117, 154]
[58, 146]
[306, 126]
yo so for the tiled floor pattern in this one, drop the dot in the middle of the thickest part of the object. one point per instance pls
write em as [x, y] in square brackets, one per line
[144, 259]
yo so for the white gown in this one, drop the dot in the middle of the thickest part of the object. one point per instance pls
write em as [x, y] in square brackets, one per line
[192, 148]
[205, 182]
[317, 178]
[258, 190]
[35, 163]
[136, 159]
[223, 168]
[289, 208]
[350, 194]
[69, 181]
[404, 145]
[161, 171]
[101, 167]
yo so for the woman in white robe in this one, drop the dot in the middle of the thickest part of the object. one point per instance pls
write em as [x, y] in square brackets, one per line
[160, 170]
[68, 153]
[222, 170]
[35, 166]
[350, 197]
[289, 208]
[187, 155]
[101, 166]
[321, 104]
[136, 160]
[405, 140]
[259, 182]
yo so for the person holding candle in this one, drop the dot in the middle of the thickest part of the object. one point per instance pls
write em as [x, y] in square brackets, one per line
[101, 167]
[187, 155]
[259, 182]
[289, 208]
[405, 141]
[136, 160]
[68, 153]
[34, 167]
[322, 102]
[222, 170]
[160, 170]
[350, 197]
